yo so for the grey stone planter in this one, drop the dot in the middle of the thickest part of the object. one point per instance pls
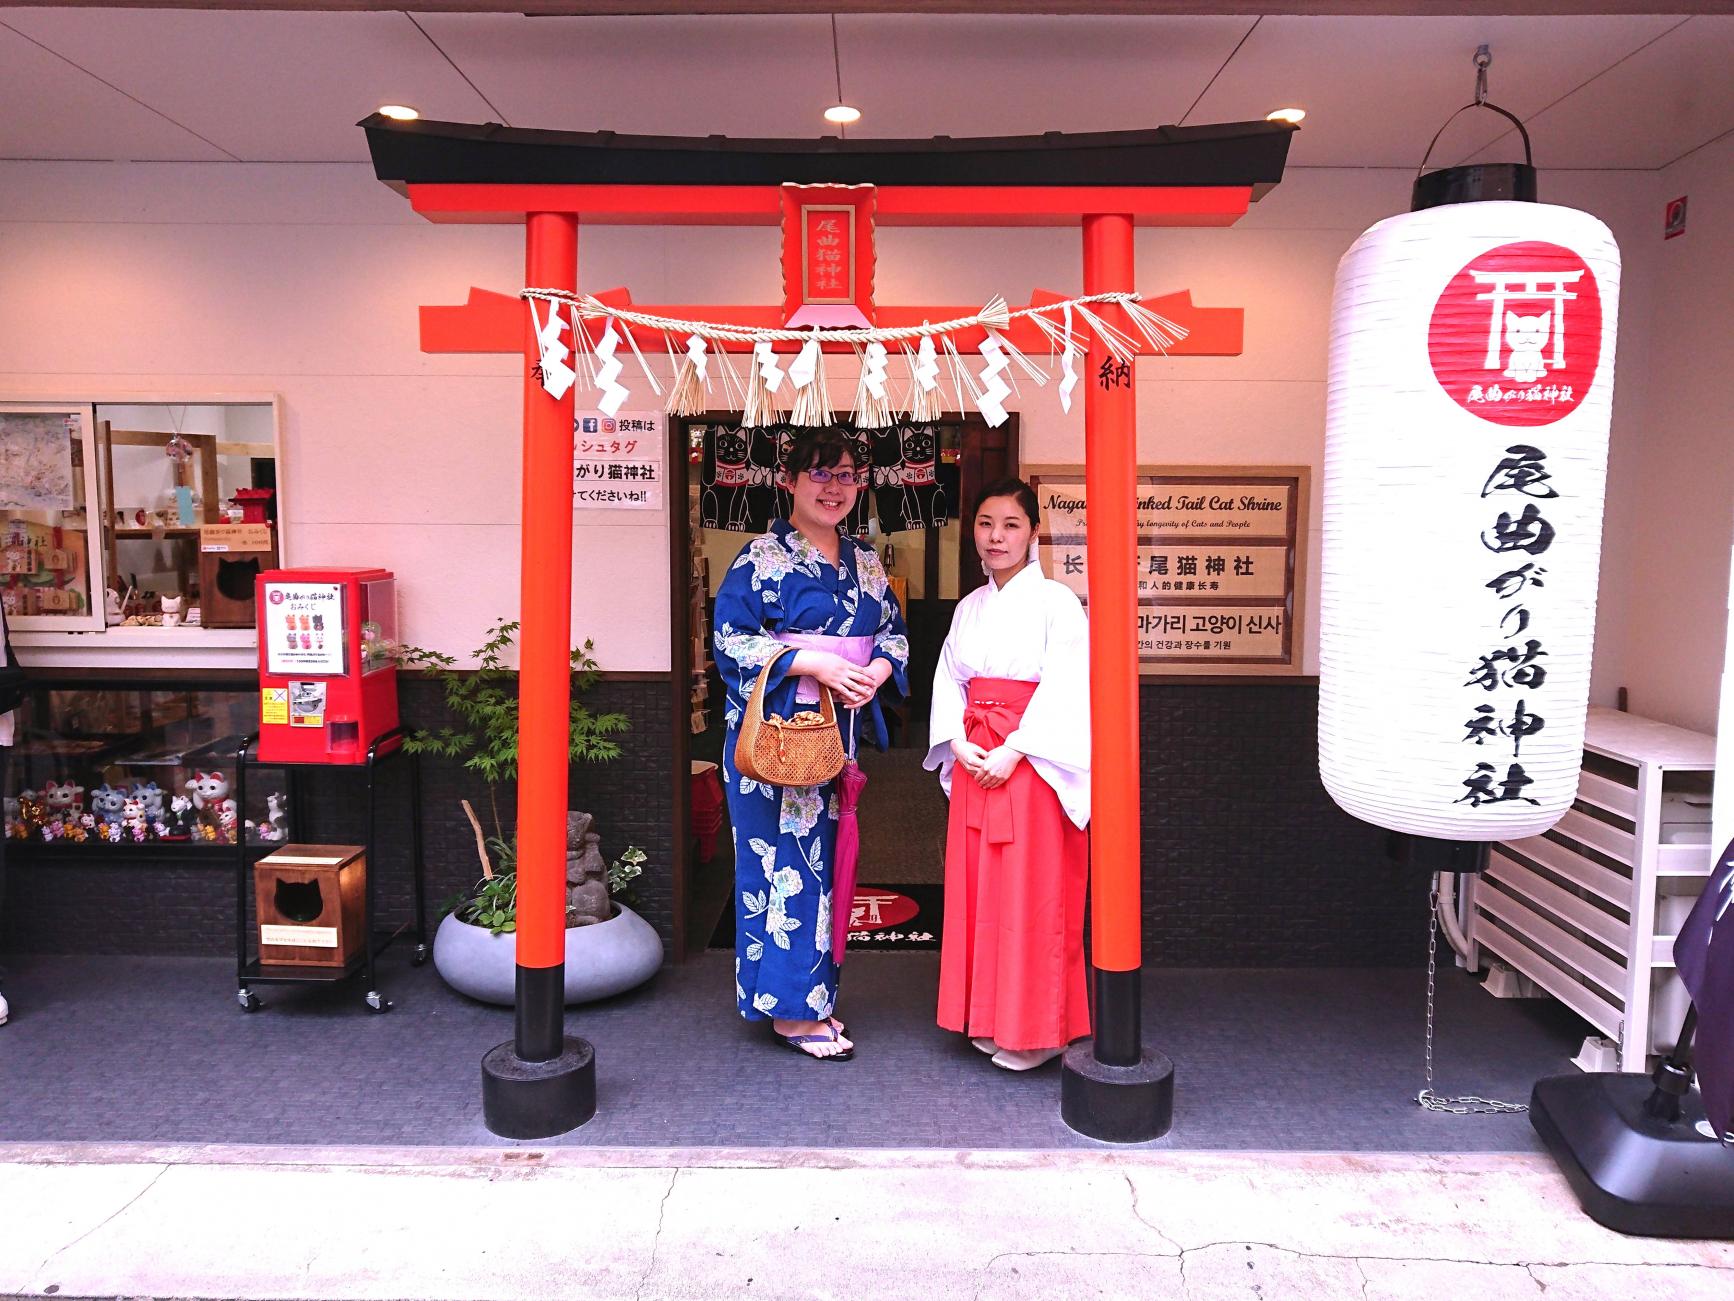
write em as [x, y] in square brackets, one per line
[602, 960]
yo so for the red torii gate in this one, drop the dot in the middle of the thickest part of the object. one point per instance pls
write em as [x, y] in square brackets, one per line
[543, 1082]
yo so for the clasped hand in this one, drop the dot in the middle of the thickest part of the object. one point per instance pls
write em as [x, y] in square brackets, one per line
[853, 684]
[990, 768]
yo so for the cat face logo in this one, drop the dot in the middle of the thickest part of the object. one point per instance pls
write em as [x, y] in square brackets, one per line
[1516, 338]
[731, 459]
[919, 446]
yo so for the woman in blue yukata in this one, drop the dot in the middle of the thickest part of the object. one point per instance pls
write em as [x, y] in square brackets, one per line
[805, 584]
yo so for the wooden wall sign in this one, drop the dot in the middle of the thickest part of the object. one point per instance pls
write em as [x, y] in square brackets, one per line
[1221, 561]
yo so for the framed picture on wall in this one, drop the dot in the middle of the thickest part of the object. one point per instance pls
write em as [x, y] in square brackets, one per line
[51, 571]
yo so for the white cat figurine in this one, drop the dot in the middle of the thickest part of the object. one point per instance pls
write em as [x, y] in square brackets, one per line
[1527, 336]
[211, 795]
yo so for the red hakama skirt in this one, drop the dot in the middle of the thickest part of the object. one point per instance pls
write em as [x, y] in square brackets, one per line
[1011, 963]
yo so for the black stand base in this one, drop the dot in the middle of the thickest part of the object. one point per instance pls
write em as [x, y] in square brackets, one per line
[523, 1099]
[1632, 1172]
[1116, 1104]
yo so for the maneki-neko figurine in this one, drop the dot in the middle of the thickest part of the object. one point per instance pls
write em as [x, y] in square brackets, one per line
[32, 814]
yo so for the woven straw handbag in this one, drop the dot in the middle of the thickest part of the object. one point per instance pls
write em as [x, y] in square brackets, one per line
[806, 750]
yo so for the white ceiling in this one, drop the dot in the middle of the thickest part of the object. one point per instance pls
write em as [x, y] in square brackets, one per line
[1633, 91]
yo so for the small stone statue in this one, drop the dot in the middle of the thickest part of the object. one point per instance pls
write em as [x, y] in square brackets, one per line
[586, 873]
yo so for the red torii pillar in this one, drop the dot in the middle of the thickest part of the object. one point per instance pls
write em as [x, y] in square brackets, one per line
[543, 1082]
[1113, 1088]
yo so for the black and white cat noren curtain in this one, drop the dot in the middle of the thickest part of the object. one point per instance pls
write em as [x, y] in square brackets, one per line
[1466, 448]
[911, 485]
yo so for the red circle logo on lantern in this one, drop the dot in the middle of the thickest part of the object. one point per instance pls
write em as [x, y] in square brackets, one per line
[1517, 335]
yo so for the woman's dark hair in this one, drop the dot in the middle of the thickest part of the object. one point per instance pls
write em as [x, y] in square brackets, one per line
[820, 447]
[1017, 490]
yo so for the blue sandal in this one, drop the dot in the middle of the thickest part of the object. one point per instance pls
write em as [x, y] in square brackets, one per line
[794, 1041]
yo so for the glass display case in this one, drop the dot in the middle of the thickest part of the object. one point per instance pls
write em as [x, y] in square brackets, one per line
[127, 514]
[118, 766]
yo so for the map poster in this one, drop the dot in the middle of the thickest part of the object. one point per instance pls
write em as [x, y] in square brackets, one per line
[36, 461]
[1219, 568]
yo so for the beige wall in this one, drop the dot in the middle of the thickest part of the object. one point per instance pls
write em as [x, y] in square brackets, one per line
[305, 281]
[1671, 494]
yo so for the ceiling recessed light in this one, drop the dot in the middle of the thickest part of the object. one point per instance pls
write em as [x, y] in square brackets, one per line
[1292, 116]
[398, 112]
[842, 115]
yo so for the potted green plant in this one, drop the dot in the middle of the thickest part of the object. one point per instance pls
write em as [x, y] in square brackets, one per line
[475, 948]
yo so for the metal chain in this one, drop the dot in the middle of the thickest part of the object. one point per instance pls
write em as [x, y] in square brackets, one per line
[1468, 1104]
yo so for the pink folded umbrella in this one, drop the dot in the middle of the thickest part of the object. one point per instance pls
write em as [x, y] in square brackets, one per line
[852, 781]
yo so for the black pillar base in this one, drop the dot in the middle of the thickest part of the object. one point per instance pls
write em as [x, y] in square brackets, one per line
[523, 1099]
[1632, 1172]
[1116, 1104]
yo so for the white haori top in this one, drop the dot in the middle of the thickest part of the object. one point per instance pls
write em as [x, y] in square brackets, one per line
[1033, 630]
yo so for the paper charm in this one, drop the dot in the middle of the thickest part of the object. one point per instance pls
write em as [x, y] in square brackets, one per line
[614, 395]
[927, 364]
[994, 389]
[765, 358]
[1068, 363]
[555, 375]
[806, 364]
[874, 361]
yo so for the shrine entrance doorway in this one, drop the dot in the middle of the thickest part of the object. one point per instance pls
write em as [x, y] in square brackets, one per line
[915, 516]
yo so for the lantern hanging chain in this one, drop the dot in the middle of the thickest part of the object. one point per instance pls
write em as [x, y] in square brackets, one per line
[837, 65]
[1468, 1104]
[1483, 60]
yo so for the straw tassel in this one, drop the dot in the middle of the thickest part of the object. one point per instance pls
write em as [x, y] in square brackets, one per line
[995, 315]
[872, 393]
[764, 377]
[687, 396]
[734, 392]
[1161, 333]
[962, 381]
[924, 402]
[812, 402]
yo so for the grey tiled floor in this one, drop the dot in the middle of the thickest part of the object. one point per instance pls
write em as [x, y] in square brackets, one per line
[155, 1049]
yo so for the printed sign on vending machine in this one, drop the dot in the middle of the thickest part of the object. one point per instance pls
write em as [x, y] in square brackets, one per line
[304, 628]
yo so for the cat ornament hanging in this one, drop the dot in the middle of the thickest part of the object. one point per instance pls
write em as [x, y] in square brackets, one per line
[1466, 445]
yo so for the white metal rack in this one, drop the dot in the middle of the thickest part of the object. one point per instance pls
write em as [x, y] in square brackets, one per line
[1589, 910]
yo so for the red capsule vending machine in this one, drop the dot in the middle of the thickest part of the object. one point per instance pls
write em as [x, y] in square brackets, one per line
[327, 682]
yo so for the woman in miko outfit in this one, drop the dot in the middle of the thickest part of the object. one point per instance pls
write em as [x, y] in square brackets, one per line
[1010, 735]
[806, 584]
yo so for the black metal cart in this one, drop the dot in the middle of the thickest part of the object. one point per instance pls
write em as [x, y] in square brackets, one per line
[249, 971]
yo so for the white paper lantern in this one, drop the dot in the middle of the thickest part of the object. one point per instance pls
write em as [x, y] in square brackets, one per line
[1471, 380]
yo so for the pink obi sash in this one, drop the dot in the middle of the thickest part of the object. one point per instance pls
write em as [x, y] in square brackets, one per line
[857, 650]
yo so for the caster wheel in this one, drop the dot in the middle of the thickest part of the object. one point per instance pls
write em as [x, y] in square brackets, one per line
[377, 1001]
[249, 1001]
[421, 955]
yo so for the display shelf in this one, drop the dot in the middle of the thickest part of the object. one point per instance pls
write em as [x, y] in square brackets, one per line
[1589, 909]
[129, 853]
[249, 970]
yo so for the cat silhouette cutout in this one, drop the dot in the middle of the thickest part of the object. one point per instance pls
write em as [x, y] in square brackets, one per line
[298, 901]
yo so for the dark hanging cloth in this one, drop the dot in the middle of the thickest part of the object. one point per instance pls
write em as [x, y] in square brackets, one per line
[913, 488]
[1704, 956]
[738, 479]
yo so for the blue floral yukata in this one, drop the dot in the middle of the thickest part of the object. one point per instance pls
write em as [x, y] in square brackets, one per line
[785, 837]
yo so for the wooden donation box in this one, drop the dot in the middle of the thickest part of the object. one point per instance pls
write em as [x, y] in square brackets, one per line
[312, 905]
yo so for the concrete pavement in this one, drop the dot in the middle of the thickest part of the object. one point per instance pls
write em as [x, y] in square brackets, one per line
[527, 1223]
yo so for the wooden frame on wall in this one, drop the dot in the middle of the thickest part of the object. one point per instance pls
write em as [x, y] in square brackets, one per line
[89, 398]
[1222, 529]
